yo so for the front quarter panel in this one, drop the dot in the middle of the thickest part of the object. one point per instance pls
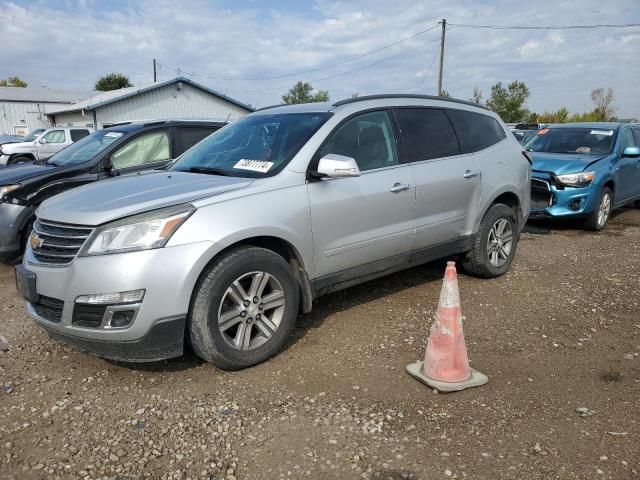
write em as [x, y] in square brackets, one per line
[260, 210]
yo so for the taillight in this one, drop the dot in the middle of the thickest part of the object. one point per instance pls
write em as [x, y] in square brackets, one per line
[528, 156]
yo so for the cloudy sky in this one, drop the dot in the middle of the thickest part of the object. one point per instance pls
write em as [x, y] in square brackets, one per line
[68, 44]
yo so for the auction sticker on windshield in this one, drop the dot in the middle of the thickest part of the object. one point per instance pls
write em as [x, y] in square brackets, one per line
[253, 165]
[608, 133]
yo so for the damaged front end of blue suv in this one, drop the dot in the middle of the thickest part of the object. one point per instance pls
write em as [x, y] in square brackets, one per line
[584, 171]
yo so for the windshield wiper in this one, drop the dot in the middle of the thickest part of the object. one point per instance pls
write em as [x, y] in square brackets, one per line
[210, 171]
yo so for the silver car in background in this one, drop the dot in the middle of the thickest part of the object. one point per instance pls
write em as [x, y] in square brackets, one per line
[246, 229]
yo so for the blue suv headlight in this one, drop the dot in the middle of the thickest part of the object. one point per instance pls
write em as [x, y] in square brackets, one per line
[578, 180]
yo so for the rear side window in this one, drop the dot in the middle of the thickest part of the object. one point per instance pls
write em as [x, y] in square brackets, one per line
[78, 134]
[427, 134]
[147, 148]
[636, 135]
[187, 137]
[476, 131]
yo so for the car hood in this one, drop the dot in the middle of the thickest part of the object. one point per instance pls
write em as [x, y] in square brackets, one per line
[14, 145]
[561, 163]
[23, 171]
[111, 199]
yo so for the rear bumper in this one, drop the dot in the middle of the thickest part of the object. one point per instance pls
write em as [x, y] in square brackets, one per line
[165, 339]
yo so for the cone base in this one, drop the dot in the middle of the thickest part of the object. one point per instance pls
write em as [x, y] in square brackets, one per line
[476, 379]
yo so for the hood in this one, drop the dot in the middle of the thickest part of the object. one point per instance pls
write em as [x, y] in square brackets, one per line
[22, 171]
[16, 145]
[561, 163]
[108, 200]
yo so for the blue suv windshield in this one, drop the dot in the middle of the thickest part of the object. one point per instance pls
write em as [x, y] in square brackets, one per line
[85, 149]
[572, 140]
[254, 146]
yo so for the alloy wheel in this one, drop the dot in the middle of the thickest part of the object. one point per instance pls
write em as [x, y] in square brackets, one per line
[500, 242]
[251, 310]
[605, 209]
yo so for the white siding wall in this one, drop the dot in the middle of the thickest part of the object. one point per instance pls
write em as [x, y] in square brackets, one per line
[168, 102]
[31, 114]
[75, 119]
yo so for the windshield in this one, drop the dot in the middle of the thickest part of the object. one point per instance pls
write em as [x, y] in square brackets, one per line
[85, 149]
[572, 140]
[254, 146]
[33, 134]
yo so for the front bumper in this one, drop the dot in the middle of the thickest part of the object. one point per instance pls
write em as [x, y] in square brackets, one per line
[168, 276]
[4, 159]
[12, 218]
[551, 200]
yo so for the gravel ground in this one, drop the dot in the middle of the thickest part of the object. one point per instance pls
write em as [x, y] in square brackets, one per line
[558, 336]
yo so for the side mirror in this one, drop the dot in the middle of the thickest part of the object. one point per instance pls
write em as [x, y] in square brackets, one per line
[338, 166]
[631, 152]
[110, 169]
[43, 141]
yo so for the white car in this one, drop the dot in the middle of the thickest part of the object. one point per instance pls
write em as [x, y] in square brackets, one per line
[44, 146]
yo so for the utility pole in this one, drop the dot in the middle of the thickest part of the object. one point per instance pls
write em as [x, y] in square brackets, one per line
[444, 28]
[155, 75]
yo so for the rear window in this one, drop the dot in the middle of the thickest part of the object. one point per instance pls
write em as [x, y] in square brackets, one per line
[427, 134]
[477, 131]
[78, 134]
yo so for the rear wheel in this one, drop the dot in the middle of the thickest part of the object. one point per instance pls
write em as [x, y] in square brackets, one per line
[600, 216]
[495, 244]
[244, 308]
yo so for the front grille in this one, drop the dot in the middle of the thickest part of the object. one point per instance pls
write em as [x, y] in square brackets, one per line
[49, 308]
[541, 196]
[88, 316]
[57, 243]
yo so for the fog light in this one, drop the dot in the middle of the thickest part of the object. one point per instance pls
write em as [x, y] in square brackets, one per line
[574, 204]
[133, 296]
[121, 319]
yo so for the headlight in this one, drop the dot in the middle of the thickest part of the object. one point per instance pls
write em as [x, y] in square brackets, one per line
[139, 232]
[581, 179]
[4, 189]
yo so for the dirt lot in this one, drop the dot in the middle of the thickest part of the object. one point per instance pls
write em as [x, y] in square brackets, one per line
[561, 331]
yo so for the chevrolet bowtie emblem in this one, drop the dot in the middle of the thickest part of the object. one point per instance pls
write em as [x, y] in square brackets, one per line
[36, 241]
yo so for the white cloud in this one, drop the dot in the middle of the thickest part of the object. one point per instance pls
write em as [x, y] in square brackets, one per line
[73, 45]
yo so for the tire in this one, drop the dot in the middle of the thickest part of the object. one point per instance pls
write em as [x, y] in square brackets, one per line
[636, 204]
[213, 296]
[478, 261]
[19, 159]
[597, 222]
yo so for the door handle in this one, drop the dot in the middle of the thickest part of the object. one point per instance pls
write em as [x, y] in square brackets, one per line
[470, 174]
[399, 187]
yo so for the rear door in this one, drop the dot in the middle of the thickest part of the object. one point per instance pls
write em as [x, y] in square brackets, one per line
[636, 187]
[447, 180]
[149, 150]
[361, 221]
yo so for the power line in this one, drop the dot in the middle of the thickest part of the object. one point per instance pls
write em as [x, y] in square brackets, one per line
[545, 27]
[435, 54]
[311, 70]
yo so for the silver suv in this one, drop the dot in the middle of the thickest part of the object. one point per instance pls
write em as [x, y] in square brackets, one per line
[243, 231]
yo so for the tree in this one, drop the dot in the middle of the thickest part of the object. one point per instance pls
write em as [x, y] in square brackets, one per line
[112, 81]
[301, 92]
[559, 116]
[603, 100]
[355, 95]
[509, 102]
[13, 82]
[477, 96]
[444, 94]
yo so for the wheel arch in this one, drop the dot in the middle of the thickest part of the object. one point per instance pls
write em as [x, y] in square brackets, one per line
[507, 197]
[13, 156]
[279, 246]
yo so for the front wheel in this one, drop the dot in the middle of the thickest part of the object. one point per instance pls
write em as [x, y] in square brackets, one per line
[244, 308]
[19, 159]
[495, 244]
[600, 216]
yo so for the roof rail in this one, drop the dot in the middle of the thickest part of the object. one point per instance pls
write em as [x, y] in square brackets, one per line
[271, 106]
[405, 95]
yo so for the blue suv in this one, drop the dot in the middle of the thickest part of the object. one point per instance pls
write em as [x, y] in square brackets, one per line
[584, 171]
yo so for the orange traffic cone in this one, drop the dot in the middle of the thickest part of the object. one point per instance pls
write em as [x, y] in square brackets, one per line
[446, 365]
